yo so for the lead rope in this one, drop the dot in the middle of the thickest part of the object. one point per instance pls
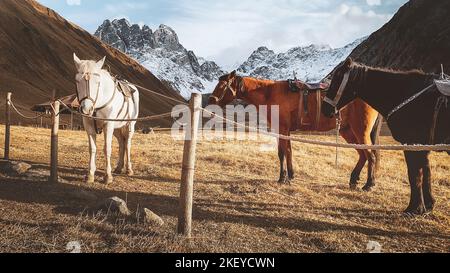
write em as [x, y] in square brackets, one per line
[338, 129]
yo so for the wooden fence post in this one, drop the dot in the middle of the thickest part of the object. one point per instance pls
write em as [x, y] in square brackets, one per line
[7, 125]
[54, 144]
[188, 168]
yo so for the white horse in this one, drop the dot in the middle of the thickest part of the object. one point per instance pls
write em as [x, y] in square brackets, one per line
[99, 95]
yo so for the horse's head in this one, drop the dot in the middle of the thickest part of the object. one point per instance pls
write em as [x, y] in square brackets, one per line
[88, 79]
[226, 90]
[340, 92]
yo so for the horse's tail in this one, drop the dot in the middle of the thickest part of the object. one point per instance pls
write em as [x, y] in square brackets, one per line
[375, 137]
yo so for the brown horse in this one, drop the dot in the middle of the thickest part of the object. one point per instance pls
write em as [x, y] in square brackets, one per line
[424, 120]
[360, 123]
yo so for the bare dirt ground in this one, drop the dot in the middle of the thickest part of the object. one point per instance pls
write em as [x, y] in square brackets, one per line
[238, 206]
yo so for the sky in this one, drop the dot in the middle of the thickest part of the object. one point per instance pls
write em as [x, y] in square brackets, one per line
[229, 31]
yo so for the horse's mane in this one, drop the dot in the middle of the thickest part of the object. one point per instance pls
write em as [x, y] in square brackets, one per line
[411, 72]
[360, 74]
[224, 77]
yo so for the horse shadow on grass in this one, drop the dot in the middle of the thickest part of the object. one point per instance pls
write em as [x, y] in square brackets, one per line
[61, 197]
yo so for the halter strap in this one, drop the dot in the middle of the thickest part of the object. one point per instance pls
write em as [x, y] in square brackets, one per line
[229, 87]
[88, 96]
[339, 93]
[407, 101]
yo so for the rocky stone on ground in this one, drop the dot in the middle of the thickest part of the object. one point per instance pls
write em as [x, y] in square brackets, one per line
[14, 168]
[151, 218]
[113, 205]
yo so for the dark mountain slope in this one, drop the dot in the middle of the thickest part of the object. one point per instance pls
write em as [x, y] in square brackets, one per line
[36, 47]
[418, 36]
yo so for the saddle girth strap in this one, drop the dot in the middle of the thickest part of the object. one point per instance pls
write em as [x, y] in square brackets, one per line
[318, 110]
[441, 101]
[97, 129]
[300, 110]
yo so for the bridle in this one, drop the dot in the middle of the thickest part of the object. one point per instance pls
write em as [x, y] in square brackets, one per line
[87, 77]
[334, 102]
[339, 93]
[229, 87]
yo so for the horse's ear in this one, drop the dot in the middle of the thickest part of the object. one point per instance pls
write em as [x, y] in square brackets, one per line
[77, 61]
[233, 74]
[348, 62]
[101, 63]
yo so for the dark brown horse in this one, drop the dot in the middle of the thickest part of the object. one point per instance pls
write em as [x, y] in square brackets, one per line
[360, 122]
[417, 122]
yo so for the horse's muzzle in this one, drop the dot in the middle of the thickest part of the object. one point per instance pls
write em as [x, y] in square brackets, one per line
[213, 100]
[87, 108]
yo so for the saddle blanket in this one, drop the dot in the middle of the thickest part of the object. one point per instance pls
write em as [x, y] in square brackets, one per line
[443, 86]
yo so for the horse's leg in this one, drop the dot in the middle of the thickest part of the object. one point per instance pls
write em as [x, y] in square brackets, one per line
[362, 133]
[283, 154]
[282, 144]
[120, 138]
[129, 136]
[108, 131]
[415, 162]
[290, 167]
[349, 136]
[426, 187]
[371, 168]
[90, 177]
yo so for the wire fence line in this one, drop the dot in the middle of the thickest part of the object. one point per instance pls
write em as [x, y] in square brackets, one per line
[161, 95]
[22, 114]
[147, 118]
[418, 147]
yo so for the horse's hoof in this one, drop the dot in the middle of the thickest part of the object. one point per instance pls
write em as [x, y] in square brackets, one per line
[411, 212]
[107, 179]
[368, 187]
[130, 172]
[429, 207]
[284, 181]
[89, 179]
[118, 171]
[354, 179]
[353, 186]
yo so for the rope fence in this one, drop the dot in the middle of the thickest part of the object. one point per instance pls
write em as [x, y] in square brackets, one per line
[190, 142]
[438, 147]
[23, 115]
[147, 118]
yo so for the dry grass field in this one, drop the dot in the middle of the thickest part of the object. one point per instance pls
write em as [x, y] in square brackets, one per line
[238, 206]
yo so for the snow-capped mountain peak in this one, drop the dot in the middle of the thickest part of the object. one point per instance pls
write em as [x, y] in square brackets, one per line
[310, 63]
[161, 52]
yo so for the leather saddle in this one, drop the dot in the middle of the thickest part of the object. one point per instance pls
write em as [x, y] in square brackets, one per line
[296, 86]
[125, 88]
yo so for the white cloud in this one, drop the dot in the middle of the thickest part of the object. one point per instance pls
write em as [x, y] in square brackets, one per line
[73, 2]
[228, 32]
[373, 2]
[125, 7]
